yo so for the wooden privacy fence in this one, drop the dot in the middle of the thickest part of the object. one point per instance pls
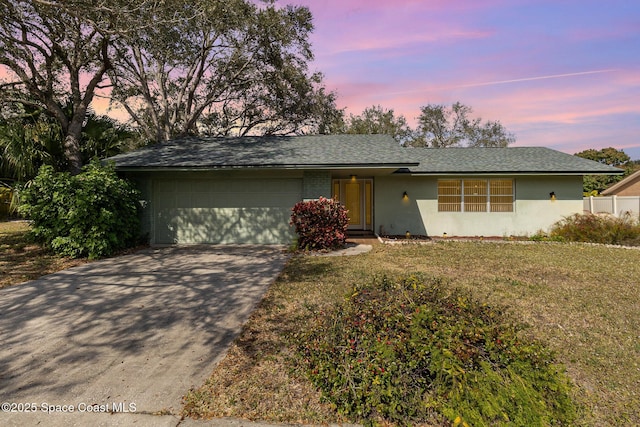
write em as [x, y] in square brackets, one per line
[615, 205]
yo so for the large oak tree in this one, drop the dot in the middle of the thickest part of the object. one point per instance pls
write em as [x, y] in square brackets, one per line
[221, 67]
[52, 55]
[179, 67]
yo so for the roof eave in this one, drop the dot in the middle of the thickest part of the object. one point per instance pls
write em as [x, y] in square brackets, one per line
[475, 173]
[181, 168]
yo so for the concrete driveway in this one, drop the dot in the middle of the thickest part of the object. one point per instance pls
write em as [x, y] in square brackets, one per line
[121, 340]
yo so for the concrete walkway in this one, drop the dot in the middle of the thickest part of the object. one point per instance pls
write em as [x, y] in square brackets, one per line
[119, 341]
[350, 249]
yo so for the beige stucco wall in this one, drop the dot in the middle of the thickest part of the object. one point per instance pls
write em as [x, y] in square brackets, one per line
[533, 209]
[632, 189]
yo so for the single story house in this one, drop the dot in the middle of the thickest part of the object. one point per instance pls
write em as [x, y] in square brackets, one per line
[241, 190]
[630, 186]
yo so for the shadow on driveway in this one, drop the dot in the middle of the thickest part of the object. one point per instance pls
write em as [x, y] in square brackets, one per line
[135, 330]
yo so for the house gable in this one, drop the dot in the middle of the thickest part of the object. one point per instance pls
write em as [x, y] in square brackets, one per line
[630, 186]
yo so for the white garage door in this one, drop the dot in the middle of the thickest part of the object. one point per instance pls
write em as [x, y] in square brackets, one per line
[224, 211]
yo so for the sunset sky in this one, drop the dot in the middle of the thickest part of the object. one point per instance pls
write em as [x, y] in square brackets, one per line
[563, 74]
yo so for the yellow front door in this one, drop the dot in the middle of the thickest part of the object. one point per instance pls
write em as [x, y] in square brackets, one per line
[356, 195]
[353, 203]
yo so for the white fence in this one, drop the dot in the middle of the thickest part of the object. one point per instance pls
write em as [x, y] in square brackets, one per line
[616, 205]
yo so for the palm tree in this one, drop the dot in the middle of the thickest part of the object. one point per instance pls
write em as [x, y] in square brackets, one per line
[28, 141]
[31, 138]
[104, 137]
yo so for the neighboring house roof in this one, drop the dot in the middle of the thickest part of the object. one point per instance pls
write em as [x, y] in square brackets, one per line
[519, 160]
[631, 180]
[276, 152]
[352, 151]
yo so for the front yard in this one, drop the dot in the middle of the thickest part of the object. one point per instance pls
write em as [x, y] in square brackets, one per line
[582, 300]
[22, 260]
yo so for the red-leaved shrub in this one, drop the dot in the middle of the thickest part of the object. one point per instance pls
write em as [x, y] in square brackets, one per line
[320, 224]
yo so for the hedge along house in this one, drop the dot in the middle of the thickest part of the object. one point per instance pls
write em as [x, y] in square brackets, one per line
[241, 190]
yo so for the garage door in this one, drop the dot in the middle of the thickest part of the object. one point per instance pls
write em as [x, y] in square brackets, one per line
[224, 211]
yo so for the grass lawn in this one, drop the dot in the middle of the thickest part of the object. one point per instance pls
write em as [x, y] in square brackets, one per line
[22, 260]
[583, 300]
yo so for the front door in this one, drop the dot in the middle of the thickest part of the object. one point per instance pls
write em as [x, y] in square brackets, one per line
[356, 195]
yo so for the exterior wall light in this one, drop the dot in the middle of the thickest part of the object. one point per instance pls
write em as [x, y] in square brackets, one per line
[552, 196]
[405, 196]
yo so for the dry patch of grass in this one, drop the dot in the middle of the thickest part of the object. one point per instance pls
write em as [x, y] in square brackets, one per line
[582, 300]
[22, 260]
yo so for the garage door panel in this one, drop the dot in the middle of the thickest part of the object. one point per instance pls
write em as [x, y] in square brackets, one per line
[202, 200]
[224, 225]
[235, 200]
[234, 225]
[165, 186]
[183, 199]
[247, 211]
[200, 187]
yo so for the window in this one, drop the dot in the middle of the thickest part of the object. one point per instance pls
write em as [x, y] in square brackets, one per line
[475, 195]
[449, 195]
[501, 191]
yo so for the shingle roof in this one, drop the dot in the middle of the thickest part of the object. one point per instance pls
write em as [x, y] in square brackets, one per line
[504, 160]
[294, 151]
[352, 151]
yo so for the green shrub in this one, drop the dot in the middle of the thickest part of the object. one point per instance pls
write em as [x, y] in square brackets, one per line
[410, 350]
[91, 214]
[606, 229]
[320, 224]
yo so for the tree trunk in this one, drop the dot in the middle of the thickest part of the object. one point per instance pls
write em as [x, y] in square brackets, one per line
[72, 153]
[72, 145]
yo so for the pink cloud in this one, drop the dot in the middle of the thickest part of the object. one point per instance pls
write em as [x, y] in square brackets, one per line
[574, 112]
[395, 42]
[381, 25]
[5, 74]
[321, 8]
